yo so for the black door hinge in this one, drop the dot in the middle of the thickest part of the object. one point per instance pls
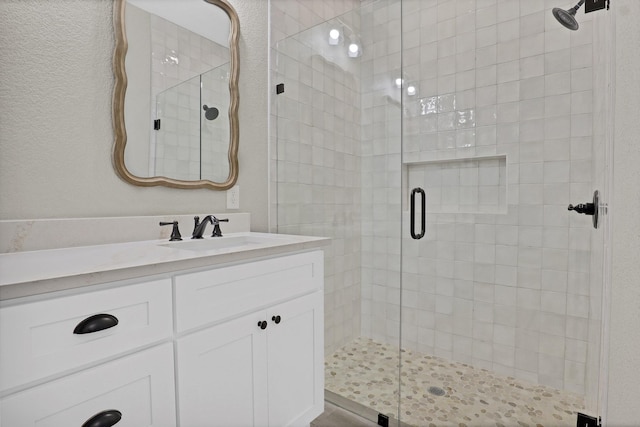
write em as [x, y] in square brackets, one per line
[156, 124]
[588, 421]
[279, 88]
[383, 420]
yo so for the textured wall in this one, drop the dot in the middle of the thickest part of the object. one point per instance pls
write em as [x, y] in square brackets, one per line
[624, 362]
[56, 138]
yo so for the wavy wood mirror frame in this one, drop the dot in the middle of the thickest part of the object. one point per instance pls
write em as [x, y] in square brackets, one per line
[119, 97]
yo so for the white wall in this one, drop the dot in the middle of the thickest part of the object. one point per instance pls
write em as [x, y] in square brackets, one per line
[624, 350]
[56, 136]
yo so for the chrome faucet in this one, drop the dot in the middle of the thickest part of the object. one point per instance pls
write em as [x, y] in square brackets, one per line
[198, 228]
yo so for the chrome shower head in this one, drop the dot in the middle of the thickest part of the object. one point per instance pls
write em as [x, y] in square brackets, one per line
[567, 17]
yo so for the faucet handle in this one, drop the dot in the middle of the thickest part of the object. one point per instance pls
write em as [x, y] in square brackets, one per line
[175, 232]
[196, 222]
[217, 232]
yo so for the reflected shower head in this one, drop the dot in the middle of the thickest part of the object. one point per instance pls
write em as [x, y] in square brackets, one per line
[210, 113]
[567, 17]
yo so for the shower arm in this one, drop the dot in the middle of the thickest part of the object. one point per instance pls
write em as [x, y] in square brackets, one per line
[577, 6]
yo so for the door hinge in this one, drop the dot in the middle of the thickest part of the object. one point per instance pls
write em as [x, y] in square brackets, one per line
[279, 88]
[156, 124]
[383, 420]
[588, 421]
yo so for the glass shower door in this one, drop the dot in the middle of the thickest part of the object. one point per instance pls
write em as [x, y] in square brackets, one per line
[490, 313]
[335, 162]
[502, 295]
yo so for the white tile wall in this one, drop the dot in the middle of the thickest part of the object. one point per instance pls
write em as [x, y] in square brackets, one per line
[315, 147]
[513, 290]
[528, 97]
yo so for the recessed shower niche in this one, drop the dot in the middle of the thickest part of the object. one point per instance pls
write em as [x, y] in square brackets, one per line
[465, 185]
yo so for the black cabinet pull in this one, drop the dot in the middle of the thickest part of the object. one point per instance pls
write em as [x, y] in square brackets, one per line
[95, 323]
[423, 216]
[276, 319]
[104, 419]
[262, 324]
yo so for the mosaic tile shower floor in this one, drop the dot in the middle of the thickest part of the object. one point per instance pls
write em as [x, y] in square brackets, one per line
[365, 371]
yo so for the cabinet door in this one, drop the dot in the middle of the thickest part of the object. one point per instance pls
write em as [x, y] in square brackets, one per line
[140, 387]
[222, 375]
[296, 361]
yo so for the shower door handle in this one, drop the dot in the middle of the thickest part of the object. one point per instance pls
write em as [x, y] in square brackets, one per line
[423, 213]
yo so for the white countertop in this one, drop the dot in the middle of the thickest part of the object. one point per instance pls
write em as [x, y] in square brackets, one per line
[42, 271]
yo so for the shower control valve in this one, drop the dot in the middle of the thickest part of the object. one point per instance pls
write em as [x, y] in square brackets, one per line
[589, 208]
[583, 208]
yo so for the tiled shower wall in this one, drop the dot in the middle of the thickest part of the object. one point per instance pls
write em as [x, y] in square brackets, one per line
[315, 149]
[509, 291]
[381, 170]
[508, 287]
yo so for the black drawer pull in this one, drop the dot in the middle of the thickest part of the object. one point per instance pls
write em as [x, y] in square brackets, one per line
[95, 323]
[104, 419]
[276, 319]
[262, 324]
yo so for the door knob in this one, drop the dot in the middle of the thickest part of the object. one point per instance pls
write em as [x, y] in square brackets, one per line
[276, 319]
[262, 324]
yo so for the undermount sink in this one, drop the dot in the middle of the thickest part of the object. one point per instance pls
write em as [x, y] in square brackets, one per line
[225, 242]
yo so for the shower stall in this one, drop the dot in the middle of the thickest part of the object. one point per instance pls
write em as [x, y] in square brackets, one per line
[438, 143]
[192, 142]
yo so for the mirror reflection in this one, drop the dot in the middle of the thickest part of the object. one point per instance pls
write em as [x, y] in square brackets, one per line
[180, 103]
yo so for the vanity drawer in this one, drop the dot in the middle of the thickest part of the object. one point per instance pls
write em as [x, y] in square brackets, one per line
[214, 295]
[139, 387]
[38, 338]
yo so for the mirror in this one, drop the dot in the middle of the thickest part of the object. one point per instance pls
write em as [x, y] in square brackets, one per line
[175, 102]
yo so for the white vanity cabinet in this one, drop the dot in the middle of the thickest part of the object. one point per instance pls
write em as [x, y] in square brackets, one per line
[264, 368]
[248, 376]
[238, 344]
[68, 359]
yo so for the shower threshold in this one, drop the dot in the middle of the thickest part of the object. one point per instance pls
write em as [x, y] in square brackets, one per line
[359, 409]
